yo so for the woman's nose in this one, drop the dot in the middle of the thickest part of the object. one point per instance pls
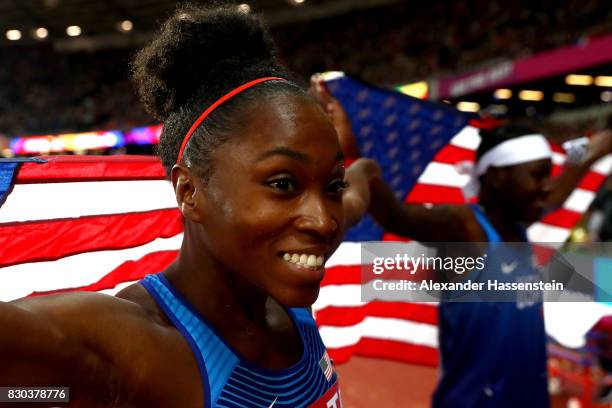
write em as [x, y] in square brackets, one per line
[318, 217]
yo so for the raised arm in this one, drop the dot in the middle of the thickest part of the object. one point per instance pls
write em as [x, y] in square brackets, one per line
[426, 224]
[562, 186]
[438, 223]
[356, 197]
[338, 117]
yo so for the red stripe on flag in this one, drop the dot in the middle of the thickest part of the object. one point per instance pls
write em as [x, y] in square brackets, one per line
[592, 181]
[562, 218]
[429, 193]
[454, 154]
[51, 240]
[387, 236]
[362, 274]
[387, 349]
[126, 272]
[556, 170]
[342, 275]
[556, 148]
[348, 316]
[91, 168]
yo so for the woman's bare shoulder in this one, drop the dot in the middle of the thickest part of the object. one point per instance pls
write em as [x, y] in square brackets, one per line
[83, 307]
[132, 302]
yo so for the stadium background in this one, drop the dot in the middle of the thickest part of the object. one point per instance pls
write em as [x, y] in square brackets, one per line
[64, 75]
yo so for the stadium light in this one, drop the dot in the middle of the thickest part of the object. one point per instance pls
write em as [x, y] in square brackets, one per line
[417, 90]
[13, 35]
[502, 93]
[297, 2]
[73, 31]
[580, 80]
[603, 81]
[41, 33]
[529, 95]
[606, 96]
[7, 153]
[465, 106]
[244, 8]
[563, 97]
[126, 25]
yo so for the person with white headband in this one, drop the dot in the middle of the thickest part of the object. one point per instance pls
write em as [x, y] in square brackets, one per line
[492, 353]
[523, 149]
[511, 177]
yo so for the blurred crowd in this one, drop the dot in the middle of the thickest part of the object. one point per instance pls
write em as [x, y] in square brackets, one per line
[414, 40]
[42, 91]
[45, 92]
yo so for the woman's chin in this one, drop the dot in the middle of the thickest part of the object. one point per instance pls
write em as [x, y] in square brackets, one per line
[299, 298]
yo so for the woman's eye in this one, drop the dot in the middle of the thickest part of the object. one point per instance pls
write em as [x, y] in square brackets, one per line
[337, 187]
[283, 184]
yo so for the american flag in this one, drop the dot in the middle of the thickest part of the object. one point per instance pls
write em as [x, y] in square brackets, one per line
[326, 366]
[84, 223]
[418, 144]
[101, 223]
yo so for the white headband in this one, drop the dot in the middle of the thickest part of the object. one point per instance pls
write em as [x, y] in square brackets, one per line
[515, 151]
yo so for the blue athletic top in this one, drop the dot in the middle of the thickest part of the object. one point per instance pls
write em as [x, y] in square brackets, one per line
[230, 381]
[493, 354]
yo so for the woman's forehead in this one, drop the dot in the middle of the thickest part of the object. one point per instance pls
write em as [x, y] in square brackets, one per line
[540, 164]
[287, 120]
[280, 104]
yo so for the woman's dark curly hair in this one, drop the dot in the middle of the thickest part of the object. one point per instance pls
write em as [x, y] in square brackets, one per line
[200, 54]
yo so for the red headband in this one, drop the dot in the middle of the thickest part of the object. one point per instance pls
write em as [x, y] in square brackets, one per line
[215, 105]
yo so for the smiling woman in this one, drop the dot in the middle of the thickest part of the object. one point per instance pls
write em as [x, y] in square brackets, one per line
[259, 178]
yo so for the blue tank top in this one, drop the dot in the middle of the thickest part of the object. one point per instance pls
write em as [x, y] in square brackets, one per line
[493, 354]
[230, 381]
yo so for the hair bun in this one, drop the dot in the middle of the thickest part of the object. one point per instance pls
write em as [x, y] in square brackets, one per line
[195, 47]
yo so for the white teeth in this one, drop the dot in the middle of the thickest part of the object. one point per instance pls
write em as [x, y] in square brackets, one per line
[308, 260]
[319, 261]
[312, 260]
